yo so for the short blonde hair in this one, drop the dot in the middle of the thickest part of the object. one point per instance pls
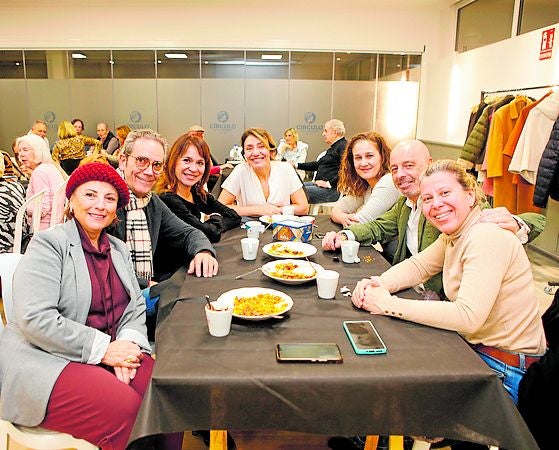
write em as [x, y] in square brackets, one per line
[466, 180]
[66, 130]
[293, 131]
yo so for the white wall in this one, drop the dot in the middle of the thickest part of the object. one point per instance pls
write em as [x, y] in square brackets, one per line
[457, 79]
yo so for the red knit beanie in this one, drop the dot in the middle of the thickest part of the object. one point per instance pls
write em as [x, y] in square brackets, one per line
[97, 171]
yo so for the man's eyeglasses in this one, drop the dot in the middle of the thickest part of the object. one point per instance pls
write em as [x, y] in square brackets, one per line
[143, 162]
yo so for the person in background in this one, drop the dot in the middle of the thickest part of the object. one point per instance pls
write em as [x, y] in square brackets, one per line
[181, 187]
[290, 148]
[109, 141]
[216, 169]
[365, 181]
[261, 186]
[12, 197]
[39, 128]
[45, 174]
[492, 301]
[70, 149]
[80, 318]
[79, 126]
[323, 188]
[122, 133]
[13, 167]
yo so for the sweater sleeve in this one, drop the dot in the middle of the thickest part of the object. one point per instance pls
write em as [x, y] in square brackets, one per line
[382, 198]
[479, 281]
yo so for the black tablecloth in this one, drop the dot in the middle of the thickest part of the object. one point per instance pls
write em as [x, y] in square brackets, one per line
[429, 383]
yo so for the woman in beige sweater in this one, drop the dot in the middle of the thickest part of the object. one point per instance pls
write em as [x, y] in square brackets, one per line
[486, 276]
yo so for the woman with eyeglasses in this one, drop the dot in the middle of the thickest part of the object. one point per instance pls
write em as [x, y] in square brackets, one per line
[181, 188]
[262, 186]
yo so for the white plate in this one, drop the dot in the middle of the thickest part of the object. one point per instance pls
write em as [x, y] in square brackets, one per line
[273, 218]
[307, 268]
[228, 299]
[284, 249]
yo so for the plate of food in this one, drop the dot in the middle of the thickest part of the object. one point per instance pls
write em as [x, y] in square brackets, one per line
[289, 249]
[256, 303]
[291, 271]
[271, 219]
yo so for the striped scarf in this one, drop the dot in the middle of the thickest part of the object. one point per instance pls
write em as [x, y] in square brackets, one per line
[138, 239]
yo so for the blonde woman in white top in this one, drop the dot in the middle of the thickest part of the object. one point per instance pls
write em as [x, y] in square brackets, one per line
[290, 148]
[261, 186]
[365, 181]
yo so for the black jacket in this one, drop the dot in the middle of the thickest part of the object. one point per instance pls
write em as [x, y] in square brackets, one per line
[173, 242]
[547, 181]
[327, 168]
[190, 213]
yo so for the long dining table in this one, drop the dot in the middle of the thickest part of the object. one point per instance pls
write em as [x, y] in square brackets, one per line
[429, 383]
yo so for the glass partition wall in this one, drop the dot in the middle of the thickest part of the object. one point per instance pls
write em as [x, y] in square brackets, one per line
[225, 91]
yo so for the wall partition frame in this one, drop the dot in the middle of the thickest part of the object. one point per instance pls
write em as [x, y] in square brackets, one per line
[223, 90]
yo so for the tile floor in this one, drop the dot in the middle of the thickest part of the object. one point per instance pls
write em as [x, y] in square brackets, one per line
[544, 269]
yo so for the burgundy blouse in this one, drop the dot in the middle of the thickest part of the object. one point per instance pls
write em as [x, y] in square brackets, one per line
[109, 298]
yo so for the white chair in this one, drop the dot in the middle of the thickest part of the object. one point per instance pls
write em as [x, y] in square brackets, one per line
[39, 438]
[8, 264]
[36, 201]
[59, 197]
[30, 437]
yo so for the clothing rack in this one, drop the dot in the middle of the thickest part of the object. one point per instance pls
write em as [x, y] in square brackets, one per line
[551, 285]
[501, 91]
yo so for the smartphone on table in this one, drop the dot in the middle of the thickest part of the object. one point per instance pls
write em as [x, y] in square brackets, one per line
[364, 337]
[309, 352]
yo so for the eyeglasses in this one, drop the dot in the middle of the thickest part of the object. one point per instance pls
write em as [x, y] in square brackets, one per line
[143, 162]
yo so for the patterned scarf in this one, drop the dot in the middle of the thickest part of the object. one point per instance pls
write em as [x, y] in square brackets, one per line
[138, 239]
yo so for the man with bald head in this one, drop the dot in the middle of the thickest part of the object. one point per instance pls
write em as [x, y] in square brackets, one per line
[405, 221]
[109, 141]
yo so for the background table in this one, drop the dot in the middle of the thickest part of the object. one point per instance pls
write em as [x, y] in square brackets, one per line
[429, 383]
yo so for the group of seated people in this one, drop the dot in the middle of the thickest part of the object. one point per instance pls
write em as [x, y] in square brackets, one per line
[82, 288]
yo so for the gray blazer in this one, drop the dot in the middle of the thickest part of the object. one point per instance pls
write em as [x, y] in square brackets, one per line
[52, 297]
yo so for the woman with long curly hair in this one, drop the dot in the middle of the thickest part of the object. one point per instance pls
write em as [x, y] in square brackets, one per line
[365, 181]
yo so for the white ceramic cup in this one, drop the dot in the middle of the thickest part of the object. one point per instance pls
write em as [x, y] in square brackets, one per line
[350, 251]
[288, 210]
[327, 283]
[249, 246]
[254, 229]
[219, 320]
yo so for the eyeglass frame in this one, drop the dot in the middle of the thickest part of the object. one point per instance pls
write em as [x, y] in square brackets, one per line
[150, 163]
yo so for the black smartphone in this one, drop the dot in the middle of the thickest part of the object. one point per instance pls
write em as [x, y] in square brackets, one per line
[364, 337]
[309, 352]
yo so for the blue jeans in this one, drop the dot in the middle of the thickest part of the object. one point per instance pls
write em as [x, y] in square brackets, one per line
[510, 376]
[320, 195]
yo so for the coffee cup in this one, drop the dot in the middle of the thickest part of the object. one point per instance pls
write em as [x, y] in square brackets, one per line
[254, 229]
[219, 319]
[327, 283]
[350, 250]
[249, 247]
